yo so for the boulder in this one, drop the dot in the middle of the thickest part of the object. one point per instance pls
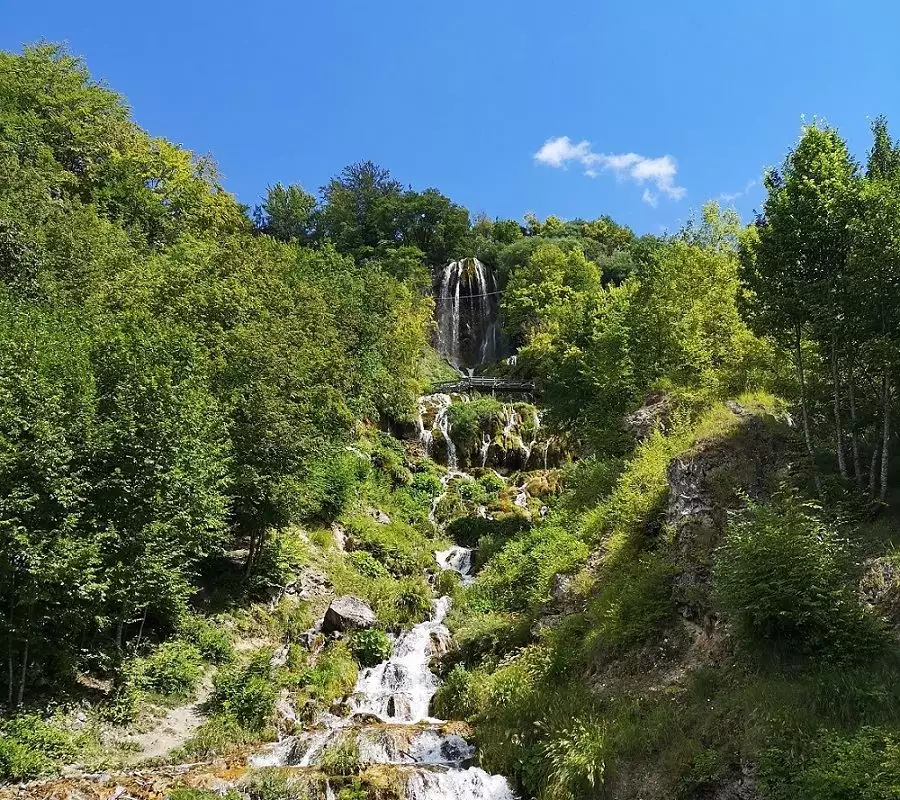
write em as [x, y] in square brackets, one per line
[347, 613]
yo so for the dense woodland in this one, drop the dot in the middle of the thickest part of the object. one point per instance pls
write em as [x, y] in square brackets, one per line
[185, 380]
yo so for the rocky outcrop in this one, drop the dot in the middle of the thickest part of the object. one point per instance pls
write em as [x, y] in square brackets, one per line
[347, 613]
[715, 476]
[655, 414]
[879, 587]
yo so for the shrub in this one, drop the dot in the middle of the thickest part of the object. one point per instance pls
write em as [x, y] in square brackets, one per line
[412, 601]
[213, 641]
[575, 761]
[219, 734]
[280, 557]
[365, 564]
[864, 765]
[491, 483]
[398, 546]
[456, 696]
[518, 577]
[246, 692]
[491, 635]
[468, 531]
[31, 746]
[370, 647]
[172, 668]
[333, 676]
[468, 420]
[341, 758]
[427, 483]
[447, 583]
[782, 580]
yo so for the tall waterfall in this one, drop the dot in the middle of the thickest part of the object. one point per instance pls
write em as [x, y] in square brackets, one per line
[467, 307]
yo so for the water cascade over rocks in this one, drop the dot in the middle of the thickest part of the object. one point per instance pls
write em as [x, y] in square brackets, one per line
[397, 694]
[467, 307]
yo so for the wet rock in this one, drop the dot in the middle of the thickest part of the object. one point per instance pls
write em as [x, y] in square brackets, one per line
[347, 613]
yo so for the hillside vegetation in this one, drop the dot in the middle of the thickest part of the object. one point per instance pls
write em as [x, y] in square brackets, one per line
[205, 416]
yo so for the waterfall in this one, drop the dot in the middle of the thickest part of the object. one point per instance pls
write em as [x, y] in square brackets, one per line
[467, 308]
[398, 692]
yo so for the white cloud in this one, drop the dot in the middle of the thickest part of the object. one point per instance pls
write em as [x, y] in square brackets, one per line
[730, 197]
[660, 172]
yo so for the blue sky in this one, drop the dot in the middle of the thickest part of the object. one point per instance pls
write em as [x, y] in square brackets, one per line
[666, 104]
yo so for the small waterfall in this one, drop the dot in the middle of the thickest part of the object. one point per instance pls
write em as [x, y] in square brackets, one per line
[398, 692]
[467, 309]
[438, 404]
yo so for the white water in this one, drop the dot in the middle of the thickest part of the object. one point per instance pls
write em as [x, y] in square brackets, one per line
[398, 692]
[468, 314]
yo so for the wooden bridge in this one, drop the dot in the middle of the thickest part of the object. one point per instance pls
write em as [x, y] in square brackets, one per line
[484, 385]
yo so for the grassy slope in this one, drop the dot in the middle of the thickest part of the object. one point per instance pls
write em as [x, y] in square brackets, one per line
[607, 690]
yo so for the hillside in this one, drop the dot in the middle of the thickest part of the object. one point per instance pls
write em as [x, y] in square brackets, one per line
[264, 534]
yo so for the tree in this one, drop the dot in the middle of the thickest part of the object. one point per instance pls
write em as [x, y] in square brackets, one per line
[287, 213]
[796, 265]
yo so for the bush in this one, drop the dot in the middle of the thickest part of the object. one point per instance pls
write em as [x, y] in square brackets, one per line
[782, 579]
[218, 735]
[365, 564]
[468, 420]
[491, 636]
[468, 531]
[246, 693]
[280, 557]
[172, 668]
[398, 546]
[864, 765]
[213, 641]
[575, 761]
[447, 582]
[412, 601]
[341, 758]
[31, 746]
[428, 483]
[370, 647]
[333, 676]
[456, 698]
[491, 483]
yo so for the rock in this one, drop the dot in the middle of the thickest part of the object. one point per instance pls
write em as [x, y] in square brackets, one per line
[312, 583]
[339, 535]
[347, 613]
[379, 516]
[280, 656]
[741, 787]
[879, 587]
[284, 711]
[653, 415]
[704, 483]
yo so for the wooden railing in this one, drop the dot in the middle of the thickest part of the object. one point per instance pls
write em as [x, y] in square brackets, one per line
[485, 385]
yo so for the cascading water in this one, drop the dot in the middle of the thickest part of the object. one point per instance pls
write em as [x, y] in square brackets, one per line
[398, 693]
[467, 309]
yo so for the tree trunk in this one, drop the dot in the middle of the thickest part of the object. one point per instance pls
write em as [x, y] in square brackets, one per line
[141, 629]
[839, 433]
[801, 377]
[854, 439]
[873, 469]
[11, 677]
[23, 674]
[885, 435]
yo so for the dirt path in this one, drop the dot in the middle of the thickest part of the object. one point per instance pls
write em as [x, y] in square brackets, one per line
[173, 729]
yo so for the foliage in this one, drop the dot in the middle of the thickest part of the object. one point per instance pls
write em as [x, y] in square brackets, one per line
[864, 765]
[341, 758]
[246, 692]
[211, 640]
[782, 579]
[173, 668]
[370, 646]
[31, 746]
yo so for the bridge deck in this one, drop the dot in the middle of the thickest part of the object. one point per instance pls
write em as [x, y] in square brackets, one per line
[485, 384]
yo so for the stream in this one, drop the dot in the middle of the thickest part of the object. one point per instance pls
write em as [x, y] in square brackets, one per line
[389, 717]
